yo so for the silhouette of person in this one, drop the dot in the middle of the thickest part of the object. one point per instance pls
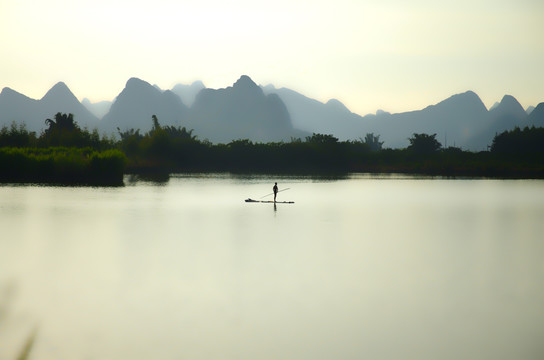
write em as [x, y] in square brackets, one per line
[275, 189]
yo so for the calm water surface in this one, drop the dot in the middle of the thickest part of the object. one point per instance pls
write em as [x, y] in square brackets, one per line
[358, 268]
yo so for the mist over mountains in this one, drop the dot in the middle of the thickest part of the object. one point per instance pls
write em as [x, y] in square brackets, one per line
[188, 93]
[265, 113]
[20, 108]
[135, 105]
[98, 109]
[241, 111]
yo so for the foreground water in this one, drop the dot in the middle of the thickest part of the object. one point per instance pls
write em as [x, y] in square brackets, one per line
[358, 268]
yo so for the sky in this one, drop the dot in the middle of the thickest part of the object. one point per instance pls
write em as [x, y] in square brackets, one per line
[395, 55]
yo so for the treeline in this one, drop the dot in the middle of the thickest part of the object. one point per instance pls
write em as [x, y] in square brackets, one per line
[62, 154]
[63, 130]
[61, 165]
[167, 149]
[526, 142]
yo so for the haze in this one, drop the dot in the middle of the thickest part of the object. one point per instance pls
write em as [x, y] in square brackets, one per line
[391, 55]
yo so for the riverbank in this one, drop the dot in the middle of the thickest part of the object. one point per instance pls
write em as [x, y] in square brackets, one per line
[63, 166]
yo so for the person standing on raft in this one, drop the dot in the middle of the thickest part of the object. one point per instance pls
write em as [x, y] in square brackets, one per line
[275, 189]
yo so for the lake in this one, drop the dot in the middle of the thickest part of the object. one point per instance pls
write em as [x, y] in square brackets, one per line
[359, 267]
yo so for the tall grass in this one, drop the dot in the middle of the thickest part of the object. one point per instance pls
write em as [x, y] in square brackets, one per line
[27, 346]
[62, 165]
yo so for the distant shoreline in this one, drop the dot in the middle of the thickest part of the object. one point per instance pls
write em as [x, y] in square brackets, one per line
[66, 154]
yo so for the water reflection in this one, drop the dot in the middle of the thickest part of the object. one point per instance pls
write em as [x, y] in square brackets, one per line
[160, 179]
[261, 177]
[355, 268]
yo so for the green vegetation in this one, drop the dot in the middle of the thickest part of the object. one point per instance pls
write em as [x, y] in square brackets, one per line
[528, 141]
[17, 136]
[423, 144]
[64, 153]
[163, 149]
[61, 165]
[172, 149]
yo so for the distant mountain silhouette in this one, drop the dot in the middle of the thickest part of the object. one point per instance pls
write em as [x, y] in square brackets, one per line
[454, 120]
[60, 99]
[494, 106]
[98, 109]
[509, 113]
[239, 112]
[140, 100]
[536, 117]
[188, 93]
[461, 120]
[505, 115]
[246, 110]
[316, 117]
[20, 108]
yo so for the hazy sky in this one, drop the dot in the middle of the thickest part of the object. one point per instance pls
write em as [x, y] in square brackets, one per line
[395, 55]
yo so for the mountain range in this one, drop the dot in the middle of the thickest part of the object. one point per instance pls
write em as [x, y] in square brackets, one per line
[265, 113]
[241, 111]
[138, 101]
[19, 108]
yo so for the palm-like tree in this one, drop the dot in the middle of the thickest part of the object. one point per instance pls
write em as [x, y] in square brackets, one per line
[63, 131]
[172, 131]
[373, 142]
[62, 122]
